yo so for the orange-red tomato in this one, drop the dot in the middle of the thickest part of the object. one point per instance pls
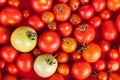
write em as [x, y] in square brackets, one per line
[74, 4]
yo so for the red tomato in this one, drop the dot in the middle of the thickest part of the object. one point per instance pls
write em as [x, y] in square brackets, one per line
[56, 76]
[24, 62]
[4, 34]
[102, 75]
[26, 13]
[81, 70]
[63, 1]
[84, 1]
[41, 5]
[49, 41]
[113, 53]
[118, 22]
[52, 26]
[2, 64]
[3, 2]
[10, 16]
[9, 77]
[114, 76]
[86, 11]
[36, 52]
[8, 53]
[62, 12]
[109, 31]
[14, 3]
[106, 14]
[65, 29]
[84, 33]
[99, 5]
[76, 55]
[74, 4]
[36, 22]
[11, 68]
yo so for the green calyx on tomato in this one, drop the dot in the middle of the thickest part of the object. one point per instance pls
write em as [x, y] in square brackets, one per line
[31, 35]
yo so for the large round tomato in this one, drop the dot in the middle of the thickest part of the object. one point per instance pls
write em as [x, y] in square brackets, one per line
[10, 16]
[84, 33]
[118, 22]
[81, 70]
[49, 41]
[62, 12]
[41, 5]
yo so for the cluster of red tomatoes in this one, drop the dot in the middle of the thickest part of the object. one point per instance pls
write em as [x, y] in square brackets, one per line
[59, 39]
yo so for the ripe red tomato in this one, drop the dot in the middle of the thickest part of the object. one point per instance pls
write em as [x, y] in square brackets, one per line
[36, 22]
[10, 16]
[3, 2]
[56, 76]
[11, 68]
[9, 77]
[75, 56]
[49, 41]
[2, 64]
[8, 53]
[114, 76]
[24, 62]
[86, 11]
[81, 70]
[4, 34]
[102, 75]
[74, 4]
[36, 51]
[65, 29]
[113, 53]
[14, 3]
[62, 12]
[106, 14]
[118, 22]
[109, 31]
[84, 33]
[26, 13]
[41, 5]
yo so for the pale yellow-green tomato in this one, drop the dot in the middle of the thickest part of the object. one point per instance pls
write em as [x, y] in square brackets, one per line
[24, 38]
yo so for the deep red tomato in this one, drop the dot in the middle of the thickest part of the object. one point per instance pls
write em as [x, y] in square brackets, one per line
[49, 41]
[14, 3]
[106, 14]
[36, 22]
[113, 65]
[114, 76]
[24, 62]
[2, 64]
[65, 29]
[10, 16]
[3, 2]
[41, 5]
[109, 31]
[8, 53]
[86, 11]
[113, 53]
[81, 70]
[11, 68]
[9, 77]
[52, 26]
[75, 56]
[99, 65]
[56, 76]
[92, 52]
[62, 12]
[118, 22]
[84, 33]
[99, 5]
[113, 5]
[74, 4]
[26, 13]
[4, 34]
[102, 75]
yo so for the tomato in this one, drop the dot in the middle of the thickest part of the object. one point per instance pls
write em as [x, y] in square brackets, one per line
[56, 76]
[65, 29]
[2, 64]
[102, 75]
[8, 53]
[99, 65]
[36, 22]
[106, 14]
[84, 33]
[109, 31]
[10, 16]
[62, 57]
[113, 5]
[24, 62]
[63, 1]
[74, 4]
[118, 22]
[86, 11]
[69, 44]
[28, 38]
[36, 51]
[113, 53]
[81, 70]
[114, 76]
[45, 65]
[52, 26]
[63, 69]
[11, 68]
[26, 13]
[99, 5]
[113, 65]
[95, 21]
[4, 34]
[9, 77]
[92, 53]
[76, 55]
[47, 17]
[14, 3]
[41, 5]
[3, 2]
[62, 12]
[49, 41]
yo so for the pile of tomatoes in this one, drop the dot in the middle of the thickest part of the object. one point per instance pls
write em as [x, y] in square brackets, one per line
[59, 39]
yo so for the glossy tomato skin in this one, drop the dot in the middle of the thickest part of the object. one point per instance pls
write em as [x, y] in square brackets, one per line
[10, 16]
[84, 33]
[11, 68]
[56, 76]
[8, 53]
[3, 2]
[14, 3]
[113, 53]
[49, 41]
[41, 5]
[62, 12]
[109, 31]
[81, 70]
[84, 1]
[118, 22]
[86, 11]
[106, 14]
[26, 13]
[24, 62]
[75, 56]
[63, 1]
[2, 64]
[4, 34]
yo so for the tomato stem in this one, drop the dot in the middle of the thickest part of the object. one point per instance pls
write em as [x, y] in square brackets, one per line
[67, 41]
[50, 62]
[31, 35]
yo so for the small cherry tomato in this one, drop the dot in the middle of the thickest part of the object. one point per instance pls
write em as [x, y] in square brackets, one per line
[2, 64]
[11, 68]
[52, 26]
[14, 3]
[74, 4]
[106, 14]
[36, 51]
[26, 13]
[76, 56]
[113, 53]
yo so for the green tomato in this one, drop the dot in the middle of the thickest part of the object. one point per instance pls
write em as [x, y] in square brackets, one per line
[45, 65]
[24, 38]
